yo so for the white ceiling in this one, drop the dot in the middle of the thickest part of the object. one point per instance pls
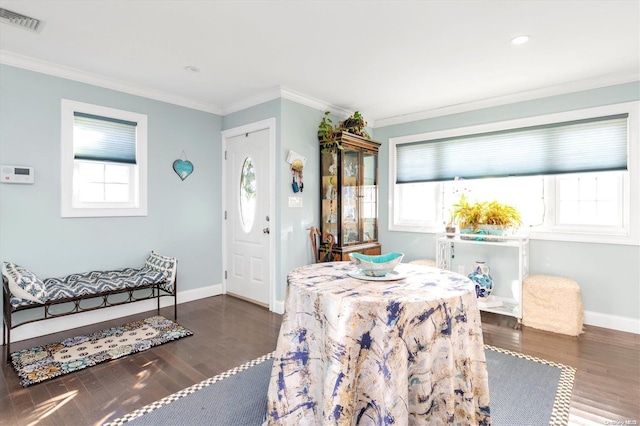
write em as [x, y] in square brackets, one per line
[383, 58]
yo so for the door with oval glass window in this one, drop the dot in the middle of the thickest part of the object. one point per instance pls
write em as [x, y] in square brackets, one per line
[248, 224]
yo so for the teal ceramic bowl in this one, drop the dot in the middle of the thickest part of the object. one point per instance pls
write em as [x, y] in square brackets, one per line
[376, 266]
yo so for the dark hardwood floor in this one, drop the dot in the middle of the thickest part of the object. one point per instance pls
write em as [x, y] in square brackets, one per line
[229, 332]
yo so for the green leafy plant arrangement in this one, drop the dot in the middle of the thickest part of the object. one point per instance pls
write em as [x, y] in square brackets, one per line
[328, 134]
[501, 215]
[468, 215]
[355, 124]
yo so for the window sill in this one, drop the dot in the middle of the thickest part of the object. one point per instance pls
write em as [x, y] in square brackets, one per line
[547, 235]
[101, 212]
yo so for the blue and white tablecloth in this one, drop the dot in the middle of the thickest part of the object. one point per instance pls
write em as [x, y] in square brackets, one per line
[356, 352]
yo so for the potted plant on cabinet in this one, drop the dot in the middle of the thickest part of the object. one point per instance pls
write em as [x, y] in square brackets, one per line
[355, 124]
[328, 135]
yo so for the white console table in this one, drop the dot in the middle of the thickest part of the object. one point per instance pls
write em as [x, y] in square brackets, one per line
[445, 243]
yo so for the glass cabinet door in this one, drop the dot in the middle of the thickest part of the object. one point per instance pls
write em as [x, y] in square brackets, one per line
[369, 196]
[350, 204]
[329, 196]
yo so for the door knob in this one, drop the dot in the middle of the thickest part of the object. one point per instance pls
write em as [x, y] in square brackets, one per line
[265, 231]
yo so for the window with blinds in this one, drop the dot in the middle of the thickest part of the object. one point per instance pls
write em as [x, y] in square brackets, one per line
[570, 174]
[104, 161]
[590, 145]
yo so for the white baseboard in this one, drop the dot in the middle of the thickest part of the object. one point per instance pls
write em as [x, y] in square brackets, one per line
[55, 325]
[278, 307]
[614, 322]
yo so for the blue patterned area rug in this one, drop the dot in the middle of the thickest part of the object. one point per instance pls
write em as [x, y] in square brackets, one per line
[524, 391]
[42, 363]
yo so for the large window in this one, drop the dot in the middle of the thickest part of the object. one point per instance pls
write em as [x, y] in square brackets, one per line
[572, 175]
[103, 161]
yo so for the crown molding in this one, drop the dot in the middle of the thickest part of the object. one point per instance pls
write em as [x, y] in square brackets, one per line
[31, 64]
[253, 100]
[545, 92]
[279, 92]
[314, 103]
[25, 62]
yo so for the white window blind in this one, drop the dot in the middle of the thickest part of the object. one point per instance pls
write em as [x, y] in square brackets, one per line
[104, 139]
[588, 145]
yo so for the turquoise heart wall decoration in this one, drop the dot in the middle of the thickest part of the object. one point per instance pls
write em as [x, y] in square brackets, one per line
[183, 168]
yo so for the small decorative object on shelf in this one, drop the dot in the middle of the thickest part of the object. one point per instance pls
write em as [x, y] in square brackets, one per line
[483, 281]
[450, 230]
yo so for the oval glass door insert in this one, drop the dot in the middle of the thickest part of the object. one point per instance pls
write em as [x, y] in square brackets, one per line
[247, 195]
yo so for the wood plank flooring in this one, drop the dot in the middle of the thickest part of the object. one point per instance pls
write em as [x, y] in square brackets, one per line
[229, 332]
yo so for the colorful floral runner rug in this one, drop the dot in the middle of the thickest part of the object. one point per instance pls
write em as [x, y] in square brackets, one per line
[42, 363]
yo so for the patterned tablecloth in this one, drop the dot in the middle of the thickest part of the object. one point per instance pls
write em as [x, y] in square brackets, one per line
[357, 352]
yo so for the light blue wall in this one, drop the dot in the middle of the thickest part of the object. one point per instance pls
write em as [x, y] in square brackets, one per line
[609, 275]
[299, 133]
[183, 219]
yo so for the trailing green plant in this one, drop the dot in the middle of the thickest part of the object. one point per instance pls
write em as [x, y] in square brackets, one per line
[325, 129]
[327, 135]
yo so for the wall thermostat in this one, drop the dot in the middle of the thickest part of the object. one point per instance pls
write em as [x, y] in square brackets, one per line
[16, 174]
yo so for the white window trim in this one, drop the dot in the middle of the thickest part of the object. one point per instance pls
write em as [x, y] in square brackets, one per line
[631, 219]
[67, 162]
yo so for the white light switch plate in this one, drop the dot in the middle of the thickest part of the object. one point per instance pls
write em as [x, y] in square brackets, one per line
[295, 202]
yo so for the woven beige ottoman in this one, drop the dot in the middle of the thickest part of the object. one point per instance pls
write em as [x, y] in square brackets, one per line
[425, 262]
[552, 304]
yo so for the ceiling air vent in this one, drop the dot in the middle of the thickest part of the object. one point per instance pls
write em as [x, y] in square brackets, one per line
[19, 20]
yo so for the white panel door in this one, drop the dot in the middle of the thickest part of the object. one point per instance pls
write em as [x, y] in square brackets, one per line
[248, 224]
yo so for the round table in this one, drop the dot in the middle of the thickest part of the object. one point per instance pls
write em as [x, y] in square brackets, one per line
[356, 352]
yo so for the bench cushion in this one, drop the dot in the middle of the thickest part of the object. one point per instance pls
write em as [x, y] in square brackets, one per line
[95, 282]
[166, 265]
[24, 283]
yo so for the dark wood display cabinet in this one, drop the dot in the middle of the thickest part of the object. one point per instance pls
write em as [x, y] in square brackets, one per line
[349, 197]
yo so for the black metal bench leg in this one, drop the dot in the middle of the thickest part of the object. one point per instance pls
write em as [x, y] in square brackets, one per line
[8, 343]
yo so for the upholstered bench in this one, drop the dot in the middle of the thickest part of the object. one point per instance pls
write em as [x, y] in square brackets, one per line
[83, 292]
[552, 304]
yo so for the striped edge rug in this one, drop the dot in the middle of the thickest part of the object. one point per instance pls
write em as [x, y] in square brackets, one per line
[562, 402]
[188, 391]
[559, 412]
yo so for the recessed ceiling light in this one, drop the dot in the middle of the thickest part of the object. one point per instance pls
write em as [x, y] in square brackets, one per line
[521, 39]
[191, 68]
